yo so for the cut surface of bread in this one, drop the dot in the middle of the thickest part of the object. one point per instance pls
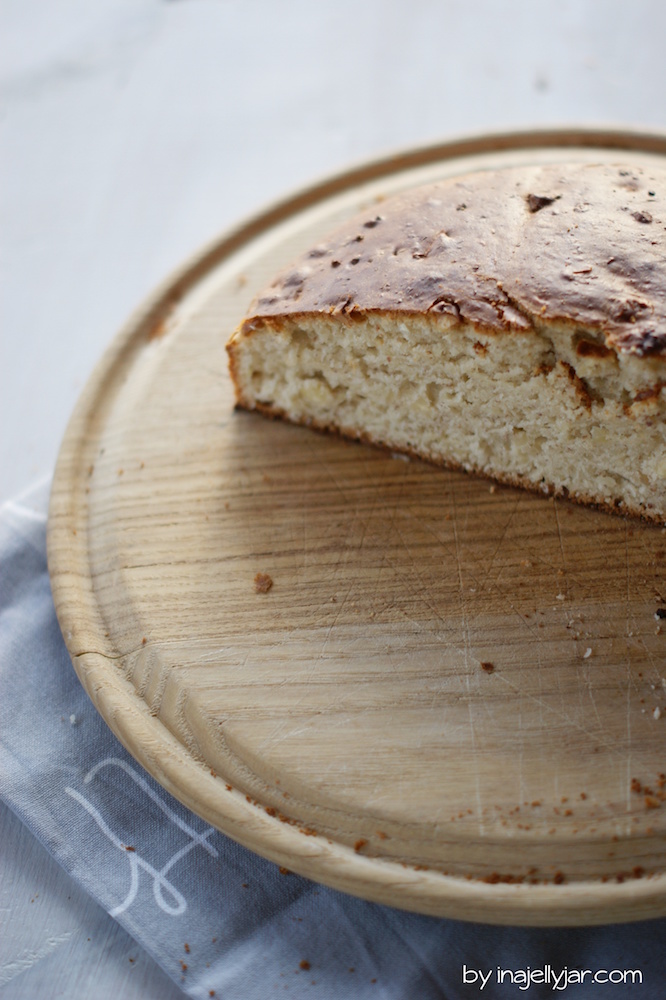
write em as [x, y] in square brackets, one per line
[511, 323]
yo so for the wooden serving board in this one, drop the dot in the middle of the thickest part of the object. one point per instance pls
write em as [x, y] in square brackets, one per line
[448, 700]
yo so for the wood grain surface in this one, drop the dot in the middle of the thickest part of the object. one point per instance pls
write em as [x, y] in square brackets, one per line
[453, 696]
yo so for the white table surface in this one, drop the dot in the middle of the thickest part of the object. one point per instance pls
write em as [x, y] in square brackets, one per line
[133, 131]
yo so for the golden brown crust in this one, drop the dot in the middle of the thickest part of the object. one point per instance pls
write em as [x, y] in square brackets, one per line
[582, 244]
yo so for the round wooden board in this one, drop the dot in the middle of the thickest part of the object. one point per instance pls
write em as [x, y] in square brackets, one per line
[446, 701]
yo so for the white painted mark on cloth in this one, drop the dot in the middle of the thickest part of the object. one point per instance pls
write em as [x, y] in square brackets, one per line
[167, 896]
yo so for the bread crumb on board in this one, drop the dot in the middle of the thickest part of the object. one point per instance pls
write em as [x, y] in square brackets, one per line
[262, 583]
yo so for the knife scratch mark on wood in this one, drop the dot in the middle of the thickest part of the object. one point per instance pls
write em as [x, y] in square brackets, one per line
[590, 692]
[318, 457]
[561, 544]
[500, 542]
[476, 580]
[466, 640]
[338, 611]
[629, 756]
[607, 744]
[423, 589]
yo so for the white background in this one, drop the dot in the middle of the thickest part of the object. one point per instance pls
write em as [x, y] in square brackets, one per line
[133, 131]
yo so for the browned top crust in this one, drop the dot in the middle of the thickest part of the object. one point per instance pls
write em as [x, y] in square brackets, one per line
[577, 243]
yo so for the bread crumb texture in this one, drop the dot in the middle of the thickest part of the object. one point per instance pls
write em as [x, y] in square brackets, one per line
[262, 583]
[509, 323]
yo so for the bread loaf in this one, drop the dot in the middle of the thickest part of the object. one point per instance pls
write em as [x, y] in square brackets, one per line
[510, 322]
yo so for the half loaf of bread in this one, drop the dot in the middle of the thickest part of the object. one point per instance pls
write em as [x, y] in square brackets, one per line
[508, 322]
